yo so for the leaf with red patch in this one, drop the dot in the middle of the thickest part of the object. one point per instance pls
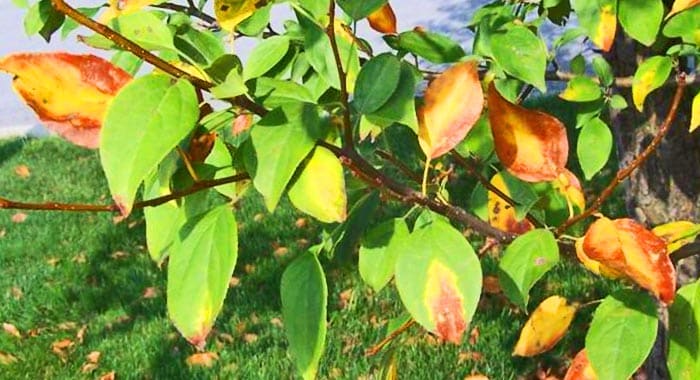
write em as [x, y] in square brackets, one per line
[580, 368]
[532, 145]
[70, 93]
[545, 327]
[453, 104]
[383, 20]
[627, 247]
[439, 279]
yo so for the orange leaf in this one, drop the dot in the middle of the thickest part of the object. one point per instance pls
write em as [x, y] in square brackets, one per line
[22, 171]
[626, 246]
[501, 213]
[203, 359]
[532, 145]
[580, 368]
[69, 93]
[383, 20]
[681, 5]
[593, 265]
[11, 329]
[546, 326]
[453, 104]
[607, 26]
[677, 234]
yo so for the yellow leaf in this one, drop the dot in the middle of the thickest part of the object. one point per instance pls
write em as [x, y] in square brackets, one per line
[677, 234]
[650, 75]
[230, 13]
[320, 189]
[122, 7]
[695, 113]
[501, 213]
[681, 5]
[546, 326]
[607, 26]
[453, 104]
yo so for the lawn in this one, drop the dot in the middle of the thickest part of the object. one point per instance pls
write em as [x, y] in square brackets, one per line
[77, 283]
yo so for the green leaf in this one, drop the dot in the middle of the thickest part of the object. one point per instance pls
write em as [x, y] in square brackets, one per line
[346, 236]
[70, 25]
[304, 301]
[401, 106]
[521, 54]
[282, 139]
[622, 333]
[163, 221]
[232, 86]
[199, 270]
[376, 82]
[221, 161]
[581, 89]
[684, 335]
[578, 65]
[438, 277]
[44, 19]
[641, 19]
[144, 122]
[320, 188]
[618, 102]
[435, 47]
[146, 29]
[598, 18]
[525, 261]
[200, 46]
[127, 61]
[255, 24]
[685, 25]
[603, 70]
[276, 92]
[593, 148]
[650, 75]
[359, 9]
[265, 56]
[380, 248]
[479, 141]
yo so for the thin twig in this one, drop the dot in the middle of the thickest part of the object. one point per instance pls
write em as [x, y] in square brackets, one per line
[378, 347]
[191, 10]
[342, 76]
[188, 164]
[56, 206]
[622, 174]
[400, 165]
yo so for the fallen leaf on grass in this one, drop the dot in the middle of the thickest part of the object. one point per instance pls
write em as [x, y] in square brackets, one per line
[474, 336]
[16, 293]
[276, 322]
[80, 336]
[11, 329]
[3, 232]
[22, 171]
[150, 292]
[203, 359]
[108, 376]
[279, 252]
[19, 217]
[65, 326]
[233, 282]
[469, 356]
[93, 357]
[88, 368]
[53, 261]
[7, 359]
[250, 338]
[61, 347]
[119, 255]
[79, 258]
[476, 377]
[491, 285]
[344, 298]
[300, 223]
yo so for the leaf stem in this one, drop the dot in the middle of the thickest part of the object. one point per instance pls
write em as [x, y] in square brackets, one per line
[378, 347]
[342, 76]
[424, 183]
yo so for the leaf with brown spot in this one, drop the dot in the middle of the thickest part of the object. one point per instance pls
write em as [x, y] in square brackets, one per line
[11, 329]
[452, 105]
[501, 214]
[626, 246]
[545, 327]
[19, 217]
[70, 93]
[531, 145]
[581, 368]
[202, 359]
[383, 20]
[22, 171]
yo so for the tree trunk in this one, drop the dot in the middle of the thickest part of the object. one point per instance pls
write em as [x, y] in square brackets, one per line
[667, 186]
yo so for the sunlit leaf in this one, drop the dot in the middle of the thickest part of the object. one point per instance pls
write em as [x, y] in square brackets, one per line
[684, 334]
[230, 13]
[221, 161]
[580, 368]
[438, 276]
[144, 122]
[69, 93]
[627, 247]
[200, 267]
[432, 46]
[593, 265]
[320, 188]
[695, 113]
[599, 19]
[265, 56]
[304, 296]
[521, 54]
[453, 104]
[650, 75]
[376, 82]
[532, 145]
[380, 248]
[121, 7]
[685, 25]
[545, 327]
[524, 262]
[681, 5]
[593, 148]
[677, 234]
[581, 89]
[630, 12]
[622, 333]
[163, 221]
[401, 106]
[359, 9]
[501, 214]
[383, 20]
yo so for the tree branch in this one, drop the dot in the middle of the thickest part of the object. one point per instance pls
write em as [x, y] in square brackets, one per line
[342, 76]
[622, 174]
[378, 347]
[56, 206]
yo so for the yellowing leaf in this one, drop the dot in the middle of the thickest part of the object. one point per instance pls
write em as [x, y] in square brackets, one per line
[230, 13]
[695, 113]
[383, 20]
[453, 104]
[681, 5]
[607, 26]
[501, 213]
[593, 265]
[320, 189]
[677, 234]
[531, 145]
[122, 7]
[581, 368]
[626, 246]
[70, 93]
[202, 359]
[650, 75]
[546, 326]
[569, 186]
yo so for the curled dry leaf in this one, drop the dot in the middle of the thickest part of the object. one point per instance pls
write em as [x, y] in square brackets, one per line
[476, 377]
[501, 213]
[580, 368]
[453, 104]
[531, 145]
[546, 326]
[491, 285]
[93, 357]
[202, 359]
[383, 20]
[677, 234]
[70, 93]
[627, 247]
[19, 217]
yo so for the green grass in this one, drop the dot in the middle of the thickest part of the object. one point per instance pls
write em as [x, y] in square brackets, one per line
[65, 267]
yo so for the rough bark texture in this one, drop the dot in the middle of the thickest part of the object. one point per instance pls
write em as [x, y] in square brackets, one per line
[667, 186]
